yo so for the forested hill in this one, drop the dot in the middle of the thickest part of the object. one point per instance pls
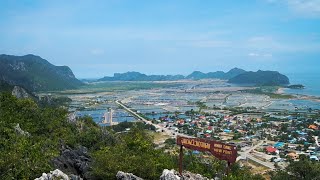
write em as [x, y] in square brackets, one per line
[216, 75]
[261, 78]
[36, 74]
[5, 87]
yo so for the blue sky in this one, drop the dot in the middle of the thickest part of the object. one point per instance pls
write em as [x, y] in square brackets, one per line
[98, 38]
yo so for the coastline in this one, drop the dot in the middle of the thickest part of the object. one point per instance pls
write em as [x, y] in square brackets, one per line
[281, 90]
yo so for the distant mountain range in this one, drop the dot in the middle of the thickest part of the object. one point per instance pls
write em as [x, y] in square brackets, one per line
[35, 74]
[215, 75]
[235, 75]
[196, 75]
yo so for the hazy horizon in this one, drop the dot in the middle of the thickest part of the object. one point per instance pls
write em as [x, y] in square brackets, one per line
[99, 38]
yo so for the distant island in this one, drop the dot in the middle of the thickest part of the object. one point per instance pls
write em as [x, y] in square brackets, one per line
[35, 74]
[264, 78]
[235, 76]
[296, 86]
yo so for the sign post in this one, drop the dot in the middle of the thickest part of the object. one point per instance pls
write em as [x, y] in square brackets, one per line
[218, 149]
[180, 160]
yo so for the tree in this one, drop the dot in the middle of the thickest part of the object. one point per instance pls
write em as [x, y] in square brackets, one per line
[297, 170]
[134, 153]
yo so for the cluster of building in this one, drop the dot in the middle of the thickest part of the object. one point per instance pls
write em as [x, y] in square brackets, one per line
[283, 136]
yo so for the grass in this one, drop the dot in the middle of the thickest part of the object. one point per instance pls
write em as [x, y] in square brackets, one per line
[98, 87]
[256, 167]
[158, 137]
[269, 91]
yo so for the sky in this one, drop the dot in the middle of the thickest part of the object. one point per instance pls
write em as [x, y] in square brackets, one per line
[97, 38]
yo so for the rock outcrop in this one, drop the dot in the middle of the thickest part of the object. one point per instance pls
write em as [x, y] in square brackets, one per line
[19, 92]
[56, 174]
[174, 175]
[127, 176]
[18, 130]
[169, 175]
[74, 161]
[166, 175]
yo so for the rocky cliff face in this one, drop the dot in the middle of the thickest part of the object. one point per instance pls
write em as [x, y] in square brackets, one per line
[36, 74]
[19, 92]
[74, 161]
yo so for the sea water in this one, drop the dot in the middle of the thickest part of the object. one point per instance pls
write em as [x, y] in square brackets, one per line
[311, 81]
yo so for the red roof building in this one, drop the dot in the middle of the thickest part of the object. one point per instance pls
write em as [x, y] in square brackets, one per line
[270, 149]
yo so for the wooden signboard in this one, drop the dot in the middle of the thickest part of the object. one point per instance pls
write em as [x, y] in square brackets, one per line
[220, 150]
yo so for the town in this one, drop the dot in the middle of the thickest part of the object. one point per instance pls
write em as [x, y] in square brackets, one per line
[269, 131]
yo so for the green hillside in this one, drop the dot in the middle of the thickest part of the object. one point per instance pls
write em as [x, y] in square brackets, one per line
[36, 74]
[272, 78]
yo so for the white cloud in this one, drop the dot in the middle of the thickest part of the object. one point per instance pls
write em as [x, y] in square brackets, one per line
[308, 7]
[302, 7]
[97, 52]
[254, 54]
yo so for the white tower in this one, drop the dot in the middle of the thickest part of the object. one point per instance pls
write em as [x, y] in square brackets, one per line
[108, 117]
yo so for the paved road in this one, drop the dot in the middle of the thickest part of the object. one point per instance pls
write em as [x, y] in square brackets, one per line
[246, 154]
[167, 131]
[316, 139]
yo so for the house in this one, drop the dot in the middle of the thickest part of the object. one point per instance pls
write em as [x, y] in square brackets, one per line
[315, 158]
[278, 144]
[293, 155]
[271, 150]
[312, 126]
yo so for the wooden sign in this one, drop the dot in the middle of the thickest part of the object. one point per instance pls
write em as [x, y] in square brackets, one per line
[220, 150]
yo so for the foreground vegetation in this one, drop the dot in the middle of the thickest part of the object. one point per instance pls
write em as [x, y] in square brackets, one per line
[28, 152]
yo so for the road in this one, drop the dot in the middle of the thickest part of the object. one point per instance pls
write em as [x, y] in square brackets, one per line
[246, 154]
[167, 131]
[316, 139]
[173, 134]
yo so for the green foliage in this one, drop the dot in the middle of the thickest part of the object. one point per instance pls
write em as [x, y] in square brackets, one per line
[5, 87]
[27, 153]
[134, 153]
[298, 170]
[25, 156]
[127, 125]
[208, 166]
[262, 90]
[238, 173]
[117, 86]
[170, 142]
